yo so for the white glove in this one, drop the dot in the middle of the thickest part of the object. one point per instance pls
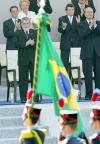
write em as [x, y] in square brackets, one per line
[42, 3]
[41, 11]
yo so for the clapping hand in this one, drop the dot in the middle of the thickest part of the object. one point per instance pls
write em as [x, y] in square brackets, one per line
[78, 19]
[64, 25]
[18, 26]
[94, 22]
[30, 42]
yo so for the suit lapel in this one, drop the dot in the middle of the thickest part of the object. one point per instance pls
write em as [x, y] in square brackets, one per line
[74, 20]
[86, 23]
[67, 19]
[24, 35]
[12, 23]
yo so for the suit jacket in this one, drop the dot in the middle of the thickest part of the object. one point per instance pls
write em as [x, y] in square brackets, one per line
[69, 34]
[78, 10]
[26, 54]
[90, 3]
[34, 7]
[90, 40]
[8, 30]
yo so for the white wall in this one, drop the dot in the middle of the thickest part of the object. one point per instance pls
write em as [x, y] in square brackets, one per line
[58, 10]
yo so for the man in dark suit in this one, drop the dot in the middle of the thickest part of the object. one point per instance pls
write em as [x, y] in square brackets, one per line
[26, 44]
[10, 26]
[80, 6]
[89, 31]
[35, 6]
[68, 27]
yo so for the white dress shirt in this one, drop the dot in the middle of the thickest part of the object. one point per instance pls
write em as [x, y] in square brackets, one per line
[70, 19]
[14, 20]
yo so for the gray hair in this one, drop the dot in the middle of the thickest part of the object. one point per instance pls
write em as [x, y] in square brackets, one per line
[25, 19]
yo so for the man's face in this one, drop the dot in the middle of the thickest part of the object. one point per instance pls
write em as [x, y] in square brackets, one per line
[82, 1]
[24, 6]
[89, 13]
[14, 12]
[70, 11]
[26, 24]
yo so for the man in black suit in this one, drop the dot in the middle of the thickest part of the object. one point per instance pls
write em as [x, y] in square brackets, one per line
[80, 6]
[89, 31]
[26, 44]
[10, 26]
[68, 27]
[35, 6]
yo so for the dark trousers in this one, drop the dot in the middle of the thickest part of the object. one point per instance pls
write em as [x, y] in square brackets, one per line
[24, 71]
[65, 58]
[90, 66]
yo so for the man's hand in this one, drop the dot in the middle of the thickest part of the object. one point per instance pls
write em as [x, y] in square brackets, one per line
[17, 27]
[82, 10]
[64, 25]
[94, 22]
[30, 42]
[78, 19]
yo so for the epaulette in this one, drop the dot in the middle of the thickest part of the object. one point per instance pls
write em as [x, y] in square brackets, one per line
[25, 134]
[31, 133]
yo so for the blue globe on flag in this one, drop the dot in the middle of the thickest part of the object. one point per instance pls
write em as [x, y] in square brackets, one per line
[63, 84]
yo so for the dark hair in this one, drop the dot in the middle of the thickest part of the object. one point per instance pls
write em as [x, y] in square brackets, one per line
[13, 7]
[69, 5]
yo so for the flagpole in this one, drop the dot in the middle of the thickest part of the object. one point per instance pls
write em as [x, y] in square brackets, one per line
[37, 54]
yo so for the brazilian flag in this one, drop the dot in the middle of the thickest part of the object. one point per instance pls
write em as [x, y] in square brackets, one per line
[50, 76]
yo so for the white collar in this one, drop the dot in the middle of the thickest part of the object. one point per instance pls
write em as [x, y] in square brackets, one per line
[13, 19]
[26, 30]
[88, 20]
[70, 16]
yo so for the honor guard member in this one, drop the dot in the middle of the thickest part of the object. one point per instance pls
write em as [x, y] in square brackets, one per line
[32, 135]
[68, 121]
[95, 124]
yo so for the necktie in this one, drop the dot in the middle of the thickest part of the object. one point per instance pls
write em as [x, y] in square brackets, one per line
[26, 32]
[89, 23]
